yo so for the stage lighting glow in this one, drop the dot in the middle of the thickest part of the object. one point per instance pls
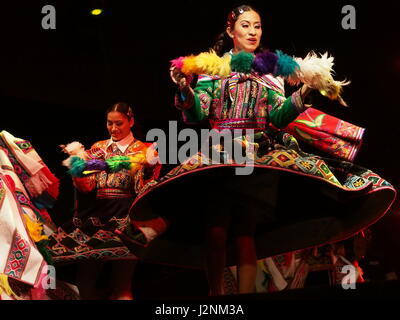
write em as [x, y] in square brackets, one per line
[96, 12]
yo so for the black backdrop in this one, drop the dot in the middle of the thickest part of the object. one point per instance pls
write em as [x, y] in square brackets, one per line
[56, 84]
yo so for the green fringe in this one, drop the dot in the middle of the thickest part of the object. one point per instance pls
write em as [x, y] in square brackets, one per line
[77, 167]
[286, 64]
[242, 62]
[118, 163]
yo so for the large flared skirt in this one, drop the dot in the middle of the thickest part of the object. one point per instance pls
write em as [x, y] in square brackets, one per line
[299, 201]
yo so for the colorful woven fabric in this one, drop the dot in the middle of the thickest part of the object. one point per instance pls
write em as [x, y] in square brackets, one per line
[20, 258]
[336, 137]
[90, 234]
[41, 185]
[319, 199]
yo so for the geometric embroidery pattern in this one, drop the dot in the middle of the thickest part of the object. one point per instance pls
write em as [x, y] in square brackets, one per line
[82, 248]
[288, 158]
[79, 236]
[96, 254]
[105, 236]
[59, 235]
[282, 159]
[59, 249]
[17, 257]
[120, 223]
[24, 145]
[377, 181]
[22, 199]
[356, 182]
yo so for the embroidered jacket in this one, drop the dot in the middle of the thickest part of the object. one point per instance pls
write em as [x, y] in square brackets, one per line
[241, 97]
[124, 183]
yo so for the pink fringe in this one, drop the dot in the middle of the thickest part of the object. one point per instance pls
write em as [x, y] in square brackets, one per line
[178, 62]
[42, 181]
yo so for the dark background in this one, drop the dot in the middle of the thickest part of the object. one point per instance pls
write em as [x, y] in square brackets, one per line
[55, 85]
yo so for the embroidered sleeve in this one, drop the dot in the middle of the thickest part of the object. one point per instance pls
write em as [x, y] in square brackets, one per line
[88, 183]
[198, 109]
[85, 184]
[283, 110]
[137, 153]
[148, 169]
[97, 151]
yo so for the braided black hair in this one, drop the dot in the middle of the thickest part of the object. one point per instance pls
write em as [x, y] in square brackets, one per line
[122, 107]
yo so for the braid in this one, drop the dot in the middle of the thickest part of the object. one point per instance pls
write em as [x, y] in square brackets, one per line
[222, 43]
[122, 107]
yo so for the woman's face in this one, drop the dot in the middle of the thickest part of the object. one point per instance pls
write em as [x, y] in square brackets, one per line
[246, 33]
[118, 125]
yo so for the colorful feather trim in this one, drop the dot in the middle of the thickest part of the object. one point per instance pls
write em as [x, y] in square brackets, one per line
[80, 167]
[286, 65]
[265, 62]
[314, 71]
[118, 163]
[96, 165]
[242, 62]
[35, 229]
[317, 73]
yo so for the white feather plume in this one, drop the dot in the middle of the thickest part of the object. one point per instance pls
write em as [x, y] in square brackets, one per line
[73, 149]
[317, 72]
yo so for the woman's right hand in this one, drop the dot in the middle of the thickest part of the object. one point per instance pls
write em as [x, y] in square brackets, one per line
[178, 77]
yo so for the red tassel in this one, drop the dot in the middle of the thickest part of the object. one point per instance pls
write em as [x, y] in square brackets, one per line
[54, 188]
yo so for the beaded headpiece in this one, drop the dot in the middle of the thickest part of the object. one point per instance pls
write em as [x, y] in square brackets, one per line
[233, 16]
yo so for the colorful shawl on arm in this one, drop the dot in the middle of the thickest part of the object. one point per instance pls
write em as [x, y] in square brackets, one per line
[326, 133]
[19, 257]
[322, 131]
[27, 188]
[40, 184]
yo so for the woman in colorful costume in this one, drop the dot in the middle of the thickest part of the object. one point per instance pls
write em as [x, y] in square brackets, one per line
[115, 169]
[27, 190]
[292, 200]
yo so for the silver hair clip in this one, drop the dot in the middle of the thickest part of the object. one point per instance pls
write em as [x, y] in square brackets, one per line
[241, 11]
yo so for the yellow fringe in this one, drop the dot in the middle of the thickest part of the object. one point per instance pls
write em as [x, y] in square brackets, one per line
[225, 68]
[5, 286]
[189, 65]
[137, 161]
[207, 63]
[138, 158]
[35, 229]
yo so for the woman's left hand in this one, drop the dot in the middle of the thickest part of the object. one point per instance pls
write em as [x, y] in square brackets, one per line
[304, 91]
